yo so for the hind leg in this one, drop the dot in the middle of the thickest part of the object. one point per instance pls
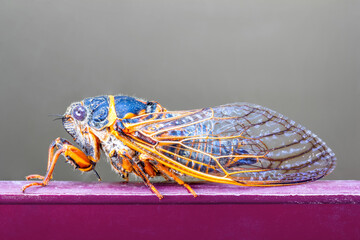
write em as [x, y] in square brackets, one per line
[166, 171]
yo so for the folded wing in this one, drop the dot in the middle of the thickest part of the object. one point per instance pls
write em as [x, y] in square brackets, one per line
[247, 143]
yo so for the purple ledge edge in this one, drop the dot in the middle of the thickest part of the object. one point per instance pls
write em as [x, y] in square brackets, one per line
[62, 192]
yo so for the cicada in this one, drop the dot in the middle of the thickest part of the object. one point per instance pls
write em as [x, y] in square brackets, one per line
[240, 143]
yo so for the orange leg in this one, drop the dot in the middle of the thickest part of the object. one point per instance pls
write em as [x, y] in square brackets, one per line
[123, 163]
[165, 170]
[146, 180]
[48, 175]
[150, 169]
[74, 155]
[122, 172]
[50, 156]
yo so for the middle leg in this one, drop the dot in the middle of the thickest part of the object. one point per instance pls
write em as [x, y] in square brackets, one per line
[165, 172]
[123, 162]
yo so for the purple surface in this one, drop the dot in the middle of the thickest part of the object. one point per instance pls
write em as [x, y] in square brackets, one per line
[78, 210]
[103, 192]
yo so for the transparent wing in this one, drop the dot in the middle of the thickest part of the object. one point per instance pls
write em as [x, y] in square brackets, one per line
[247, 143]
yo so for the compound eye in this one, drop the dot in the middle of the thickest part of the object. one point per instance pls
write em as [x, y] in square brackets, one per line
[79, 113]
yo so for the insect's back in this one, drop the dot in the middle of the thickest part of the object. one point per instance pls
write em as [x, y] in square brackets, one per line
[244, 142]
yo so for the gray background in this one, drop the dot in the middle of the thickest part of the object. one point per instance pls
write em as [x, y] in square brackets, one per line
[300, 58]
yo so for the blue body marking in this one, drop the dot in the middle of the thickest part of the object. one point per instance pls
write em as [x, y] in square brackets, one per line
[125, 105]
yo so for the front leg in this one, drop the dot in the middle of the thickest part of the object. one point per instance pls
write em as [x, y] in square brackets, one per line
[72, 154]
